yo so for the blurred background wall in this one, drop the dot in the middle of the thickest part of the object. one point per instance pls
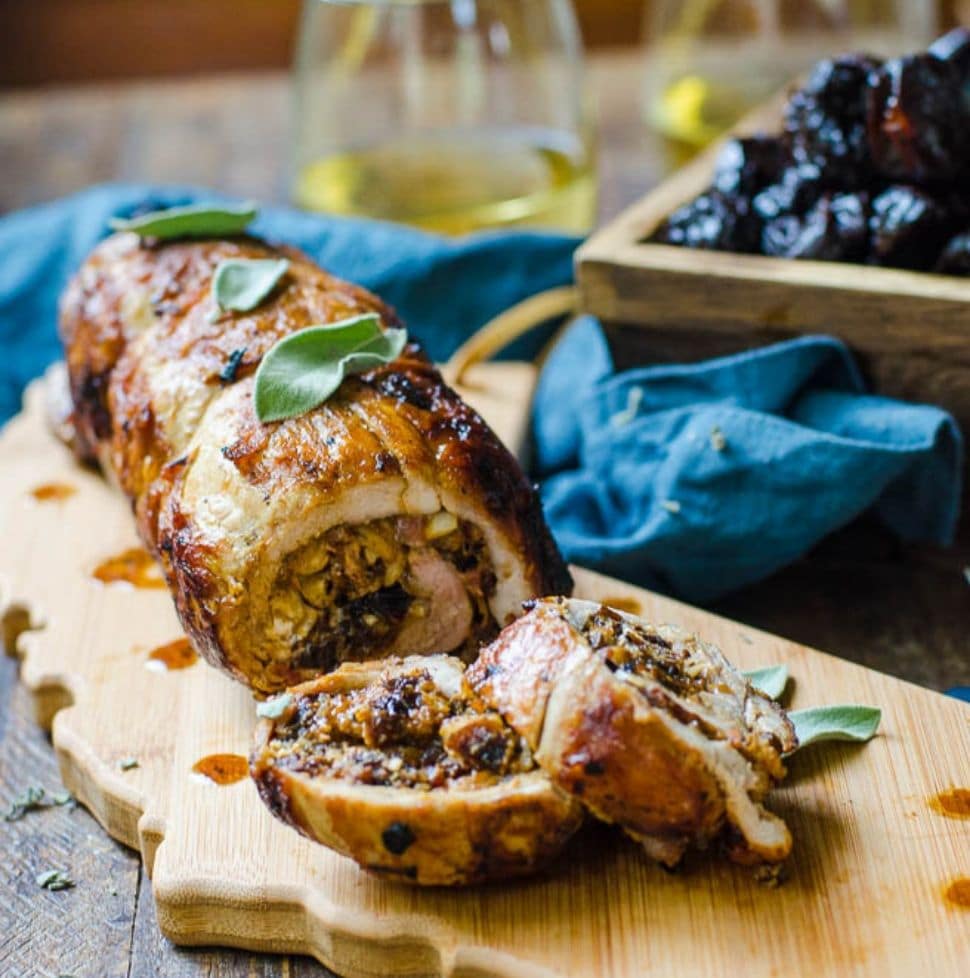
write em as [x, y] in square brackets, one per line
[43, 41]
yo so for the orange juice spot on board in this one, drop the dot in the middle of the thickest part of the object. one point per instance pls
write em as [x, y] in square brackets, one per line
[134, 566]
[53, 492]
[957, 893]
[175, 655]
[629, 605]
[954, 803]
[222, 768]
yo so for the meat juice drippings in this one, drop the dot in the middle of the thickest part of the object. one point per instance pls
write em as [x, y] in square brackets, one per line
[954, 803]
[957, 893]
[53, 492]
[624, 603]
[172, 656]
[133, 566]
[222, 769]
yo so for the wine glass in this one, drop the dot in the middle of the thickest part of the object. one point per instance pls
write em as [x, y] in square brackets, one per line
[452, 115]
[709, 61]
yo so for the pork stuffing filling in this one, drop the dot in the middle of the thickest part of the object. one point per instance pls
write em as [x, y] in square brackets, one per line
[399, 584]
[400, 731]
[696, 689]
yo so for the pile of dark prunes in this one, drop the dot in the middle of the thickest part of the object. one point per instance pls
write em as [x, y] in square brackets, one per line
[873, 166]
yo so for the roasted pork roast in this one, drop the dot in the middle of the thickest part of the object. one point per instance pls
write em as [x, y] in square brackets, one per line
[388, 521]
[396, 765]
[649, 727]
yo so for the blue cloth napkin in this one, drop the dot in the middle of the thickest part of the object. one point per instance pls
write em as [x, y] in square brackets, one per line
[698, 479]
[444, 289]
[693, 479]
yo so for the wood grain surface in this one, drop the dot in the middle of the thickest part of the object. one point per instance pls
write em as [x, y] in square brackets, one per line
[865, 893]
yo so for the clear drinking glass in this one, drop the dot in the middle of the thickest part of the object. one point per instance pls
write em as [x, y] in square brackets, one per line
[452, 115]
[709, 61]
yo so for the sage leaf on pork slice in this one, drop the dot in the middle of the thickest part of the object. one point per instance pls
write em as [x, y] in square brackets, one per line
[241, 284]
[854, 724]
[771, 680]
[192, 221]
[305, 368]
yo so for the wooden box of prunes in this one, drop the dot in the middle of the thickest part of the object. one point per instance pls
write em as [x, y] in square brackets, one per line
[841, 207]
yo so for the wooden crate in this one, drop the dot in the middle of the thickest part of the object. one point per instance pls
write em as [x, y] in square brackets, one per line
[909, 330]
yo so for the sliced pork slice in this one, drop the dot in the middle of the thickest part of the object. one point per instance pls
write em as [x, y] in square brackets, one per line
[649, 727]
[391, 764]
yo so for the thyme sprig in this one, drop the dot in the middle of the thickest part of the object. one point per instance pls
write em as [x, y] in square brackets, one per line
[54, 879]
[34, 799]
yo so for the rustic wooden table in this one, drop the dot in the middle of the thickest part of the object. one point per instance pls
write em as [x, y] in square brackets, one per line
[860, 595]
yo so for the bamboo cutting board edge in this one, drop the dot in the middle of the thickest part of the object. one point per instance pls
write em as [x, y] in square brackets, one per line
[317, 903]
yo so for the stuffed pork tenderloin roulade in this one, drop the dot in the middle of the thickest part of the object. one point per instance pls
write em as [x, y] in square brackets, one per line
[390, 520]
[397, 765]
[649, 727]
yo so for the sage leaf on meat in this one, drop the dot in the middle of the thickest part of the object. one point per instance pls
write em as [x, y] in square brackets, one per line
[192, 221]
[241, 284]
[305, 368]
[273, 709]
[854, 724]
[771, 680]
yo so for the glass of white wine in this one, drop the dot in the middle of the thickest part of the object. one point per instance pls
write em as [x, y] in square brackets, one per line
[709, 61]
[451, 115]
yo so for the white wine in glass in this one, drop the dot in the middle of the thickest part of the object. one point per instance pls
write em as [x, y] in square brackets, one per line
[710, 61]
[451, 115]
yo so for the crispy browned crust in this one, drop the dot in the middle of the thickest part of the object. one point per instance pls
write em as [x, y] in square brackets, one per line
[444, 837]
[145, 360]
[636, 753]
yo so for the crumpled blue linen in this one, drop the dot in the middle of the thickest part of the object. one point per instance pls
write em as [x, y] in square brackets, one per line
[698, 479]
[443, 288]
[633, 484]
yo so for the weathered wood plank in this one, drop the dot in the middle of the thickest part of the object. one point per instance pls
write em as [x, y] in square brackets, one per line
[865, 597]
[85, 931]
[59, 140]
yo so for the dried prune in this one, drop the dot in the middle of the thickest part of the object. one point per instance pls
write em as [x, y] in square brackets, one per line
[908, 227]
[955, 257]
[826, 119]
[744, 166]
[798, 189]
[711, 221]
[873, 165]
[835, 229]
[918, 120]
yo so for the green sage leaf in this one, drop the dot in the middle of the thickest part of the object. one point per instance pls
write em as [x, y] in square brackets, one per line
[274, 708]
[855, 724]
[771, 680]
[242, 283]
[193, 221]
[305, 368]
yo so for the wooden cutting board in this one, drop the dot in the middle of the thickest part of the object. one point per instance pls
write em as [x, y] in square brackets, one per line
[874, 857]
